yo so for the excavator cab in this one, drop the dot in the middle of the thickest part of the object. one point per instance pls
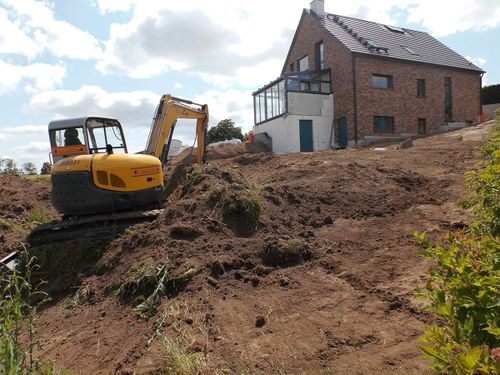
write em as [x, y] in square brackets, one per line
[86, 135]
[93, 173]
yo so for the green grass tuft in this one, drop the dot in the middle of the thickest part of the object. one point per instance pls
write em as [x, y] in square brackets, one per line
[6, 225]
[37, 216]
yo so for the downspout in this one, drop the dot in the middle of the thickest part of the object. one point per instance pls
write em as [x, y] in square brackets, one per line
[355, 99]
[480, 95]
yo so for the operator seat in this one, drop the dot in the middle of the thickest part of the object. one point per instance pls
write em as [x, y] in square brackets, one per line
[71, 137]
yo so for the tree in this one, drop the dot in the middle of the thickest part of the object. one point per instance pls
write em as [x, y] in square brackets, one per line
[9, 166]
[224, 130]
[46, 168]
[29, 168]
[490, 94]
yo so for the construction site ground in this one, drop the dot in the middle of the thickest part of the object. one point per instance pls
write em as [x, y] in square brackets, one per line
[325, 285]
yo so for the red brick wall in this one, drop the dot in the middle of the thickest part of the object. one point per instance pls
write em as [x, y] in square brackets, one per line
[401, 101]
[337, 57]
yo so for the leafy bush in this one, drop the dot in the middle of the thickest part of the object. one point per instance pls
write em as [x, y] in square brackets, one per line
[463, 291]
[464, 288]
[484, 184]
[17, 314]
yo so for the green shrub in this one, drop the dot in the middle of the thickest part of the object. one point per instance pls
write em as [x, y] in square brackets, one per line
[464, 287]
[464, 293]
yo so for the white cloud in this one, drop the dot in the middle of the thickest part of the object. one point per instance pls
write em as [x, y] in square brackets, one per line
[229, 104]
[13, 39]
[34, 147]
[178, 86]
[111, 6]
[26, 129]
[208, 41]
[36, 76]
[228, 39]
[33, 151]
[22, 131]
[135, 108]
[444, 18]
[478, 61]
[36, 19]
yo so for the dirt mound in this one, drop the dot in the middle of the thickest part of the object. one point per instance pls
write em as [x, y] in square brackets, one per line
[24, 203]
[222, 151]
[266, 264]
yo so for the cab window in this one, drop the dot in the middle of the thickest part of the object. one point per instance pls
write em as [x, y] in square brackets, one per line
[103, 133]
[67, 137]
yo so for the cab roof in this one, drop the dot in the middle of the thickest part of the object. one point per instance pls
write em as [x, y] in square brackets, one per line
[75, 122]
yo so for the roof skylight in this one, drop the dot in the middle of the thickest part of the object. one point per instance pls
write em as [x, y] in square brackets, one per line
[408, 49]
[395, 29]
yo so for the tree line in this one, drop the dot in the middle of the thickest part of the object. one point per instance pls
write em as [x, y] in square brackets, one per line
[490, 94]
[10, 166]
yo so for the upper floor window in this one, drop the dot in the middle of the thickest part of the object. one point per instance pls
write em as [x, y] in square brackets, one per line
[420, 88]
[303, 64]
[381, 81]
[291, 67]
[320, 56]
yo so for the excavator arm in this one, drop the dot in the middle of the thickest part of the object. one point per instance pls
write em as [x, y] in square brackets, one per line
[169, 110]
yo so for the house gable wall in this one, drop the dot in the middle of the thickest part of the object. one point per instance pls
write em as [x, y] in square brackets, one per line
[337, 58]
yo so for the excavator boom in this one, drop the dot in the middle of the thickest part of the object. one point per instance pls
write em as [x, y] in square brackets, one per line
[169, 110]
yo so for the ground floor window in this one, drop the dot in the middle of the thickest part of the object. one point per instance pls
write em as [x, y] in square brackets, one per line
[383, 124]
[422, 127]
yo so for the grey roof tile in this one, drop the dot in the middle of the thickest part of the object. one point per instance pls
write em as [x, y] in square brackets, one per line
[426, 48]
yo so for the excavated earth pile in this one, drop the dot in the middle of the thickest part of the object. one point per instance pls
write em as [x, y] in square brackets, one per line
[265, 264]
[24, 203]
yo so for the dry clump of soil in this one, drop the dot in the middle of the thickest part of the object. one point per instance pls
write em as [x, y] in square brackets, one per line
[296, 264]
[22, 202]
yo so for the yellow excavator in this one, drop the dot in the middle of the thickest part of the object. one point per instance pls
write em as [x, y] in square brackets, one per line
[96, 182]
[93, 173]
[97, 185]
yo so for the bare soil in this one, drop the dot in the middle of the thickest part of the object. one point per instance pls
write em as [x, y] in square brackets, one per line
[324, 285]
[19, 196]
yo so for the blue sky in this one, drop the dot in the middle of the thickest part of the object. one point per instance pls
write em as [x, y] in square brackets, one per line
[117, 57]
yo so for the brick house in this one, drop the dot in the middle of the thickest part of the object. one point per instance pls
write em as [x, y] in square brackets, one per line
[349, 81]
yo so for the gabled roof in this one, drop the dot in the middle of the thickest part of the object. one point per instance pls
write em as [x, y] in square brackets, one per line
[371, 38]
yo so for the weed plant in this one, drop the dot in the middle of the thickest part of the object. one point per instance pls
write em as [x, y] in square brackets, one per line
[37, 216]
[20, 301]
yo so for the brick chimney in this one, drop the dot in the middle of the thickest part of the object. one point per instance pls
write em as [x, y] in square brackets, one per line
[318, 7]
